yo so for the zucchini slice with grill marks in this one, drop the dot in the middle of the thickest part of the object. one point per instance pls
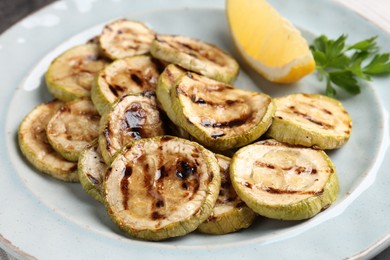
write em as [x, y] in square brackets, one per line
[125, 38]
[311, 120]
[36, 148]
[218, 115]
[71, 75]
[195, 55]
[161, 187]
[282, 181]
[91, 170]
[132, 75]
[230, 213]
[73, 128]
[133, 117]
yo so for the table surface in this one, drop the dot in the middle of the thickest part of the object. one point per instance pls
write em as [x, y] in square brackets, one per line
[378, 12]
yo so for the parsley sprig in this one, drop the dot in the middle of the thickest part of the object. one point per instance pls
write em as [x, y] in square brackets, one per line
[345, 65]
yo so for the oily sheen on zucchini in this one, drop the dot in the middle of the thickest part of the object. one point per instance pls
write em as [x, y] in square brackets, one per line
[132, 75]
[218, 115]
[282, 181]
[311, 120]
[133, 117]
[230, 213]
[161, 187]
[73, 127]
[195, 55]
[36, 148]
[71, 75]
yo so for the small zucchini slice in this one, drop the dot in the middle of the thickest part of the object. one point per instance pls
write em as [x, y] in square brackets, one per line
[133, 117]
[71, 75]
[218, 115]
[195, 55]
[282, 181]
[230, 213]
[73, 127]
[36, 148]
[91, 170]
[125, 38]
[132, 75]
[161, 187]
[310, 120]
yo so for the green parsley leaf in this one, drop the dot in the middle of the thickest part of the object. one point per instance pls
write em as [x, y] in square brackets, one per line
[346, 66]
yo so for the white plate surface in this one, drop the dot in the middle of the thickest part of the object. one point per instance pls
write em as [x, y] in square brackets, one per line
[47, 219]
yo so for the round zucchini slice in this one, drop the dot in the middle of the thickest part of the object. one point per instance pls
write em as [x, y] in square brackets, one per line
[125, 38]
[230, 213]
[218, 115]
[310, 120]
[195, 55]
[91, 170]
[36, 148]
[161, 187]
[282, 181]
[132, 75]
[73, 128]
[71, 75]
[133, 117]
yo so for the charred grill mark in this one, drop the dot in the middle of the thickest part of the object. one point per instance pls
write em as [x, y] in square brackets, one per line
[273, 190]
[248, 185]
[228, 124]
[297, 169]
[93, 179]
[156, 215]
[126, 173]
[116, 90]
[309, 118]
[137, 80]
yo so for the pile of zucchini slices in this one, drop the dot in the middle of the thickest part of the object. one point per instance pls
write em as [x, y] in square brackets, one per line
[142, 121]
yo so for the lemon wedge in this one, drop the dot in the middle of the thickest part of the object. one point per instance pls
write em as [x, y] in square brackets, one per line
[268, 42]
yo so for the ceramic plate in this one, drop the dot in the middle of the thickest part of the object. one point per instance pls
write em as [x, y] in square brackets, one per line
[47, 219]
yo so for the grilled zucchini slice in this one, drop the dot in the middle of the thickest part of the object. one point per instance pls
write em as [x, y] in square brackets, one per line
[91, 170]
[125, 76]
[35, 147]
[125, 38]
[161, 187]
[230, 213]
[282, 181]
[311, 120]
[218, 115]
[133, 117]
[195, 55]
[73, 128]
[71, 75]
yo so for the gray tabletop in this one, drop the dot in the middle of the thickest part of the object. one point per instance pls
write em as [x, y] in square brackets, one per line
[12, 11]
